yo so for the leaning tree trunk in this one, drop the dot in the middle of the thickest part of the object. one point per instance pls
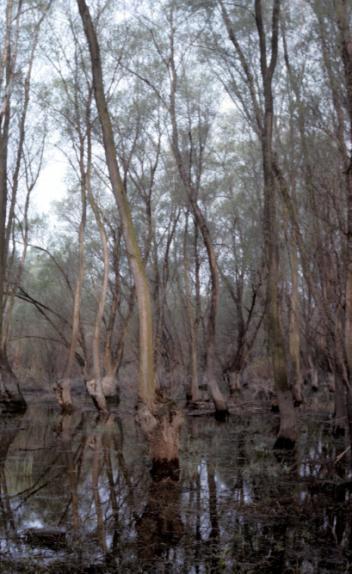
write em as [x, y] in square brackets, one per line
[146, 387]
[159, 421]
[287, 432]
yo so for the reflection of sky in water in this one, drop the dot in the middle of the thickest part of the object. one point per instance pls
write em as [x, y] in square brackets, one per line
[250, 494]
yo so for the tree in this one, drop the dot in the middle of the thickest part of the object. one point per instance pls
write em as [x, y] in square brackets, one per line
[15, 97]
[160, 422]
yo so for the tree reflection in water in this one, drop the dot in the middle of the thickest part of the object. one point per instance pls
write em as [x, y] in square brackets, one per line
[77, 495]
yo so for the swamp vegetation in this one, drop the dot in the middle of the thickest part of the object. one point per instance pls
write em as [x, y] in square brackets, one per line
[176, 329]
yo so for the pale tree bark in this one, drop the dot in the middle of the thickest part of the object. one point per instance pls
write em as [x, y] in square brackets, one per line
[159, 419]
[146, 387]
[287, 432]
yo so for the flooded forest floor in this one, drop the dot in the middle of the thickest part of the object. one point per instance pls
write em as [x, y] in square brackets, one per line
[76, 495]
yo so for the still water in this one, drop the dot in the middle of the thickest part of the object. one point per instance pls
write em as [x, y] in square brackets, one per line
[76, 496]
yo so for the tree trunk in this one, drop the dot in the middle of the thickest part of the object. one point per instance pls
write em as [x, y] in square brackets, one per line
[95, 386]
[62, 390]
[63, 387]
[295, 375]
[235, 382]
[287, 432]
[191, 321]
[163, 432]
[109, 386]
[219, 401]
[146, 387]
[313, 373]
[153, 414]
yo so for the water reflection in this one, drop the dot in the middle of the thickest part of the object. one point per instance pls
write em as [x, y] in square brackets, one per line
[77, 495]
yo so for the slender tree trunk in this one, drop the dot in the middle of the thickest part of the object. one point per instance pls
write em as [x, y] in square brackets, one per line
[63, 387]
[210, 372]
[159, 419]
[191, 320]
[287, 432]
[146, 365]
[295, 374]
[235, 381]
[95, 385]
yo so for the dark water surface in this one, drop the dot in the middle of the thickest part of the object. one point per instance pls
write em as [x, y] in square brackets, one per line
[76, 496]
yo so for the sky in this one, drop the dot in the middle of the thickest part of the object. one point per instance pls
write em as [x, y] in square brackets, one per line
[51, 184]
